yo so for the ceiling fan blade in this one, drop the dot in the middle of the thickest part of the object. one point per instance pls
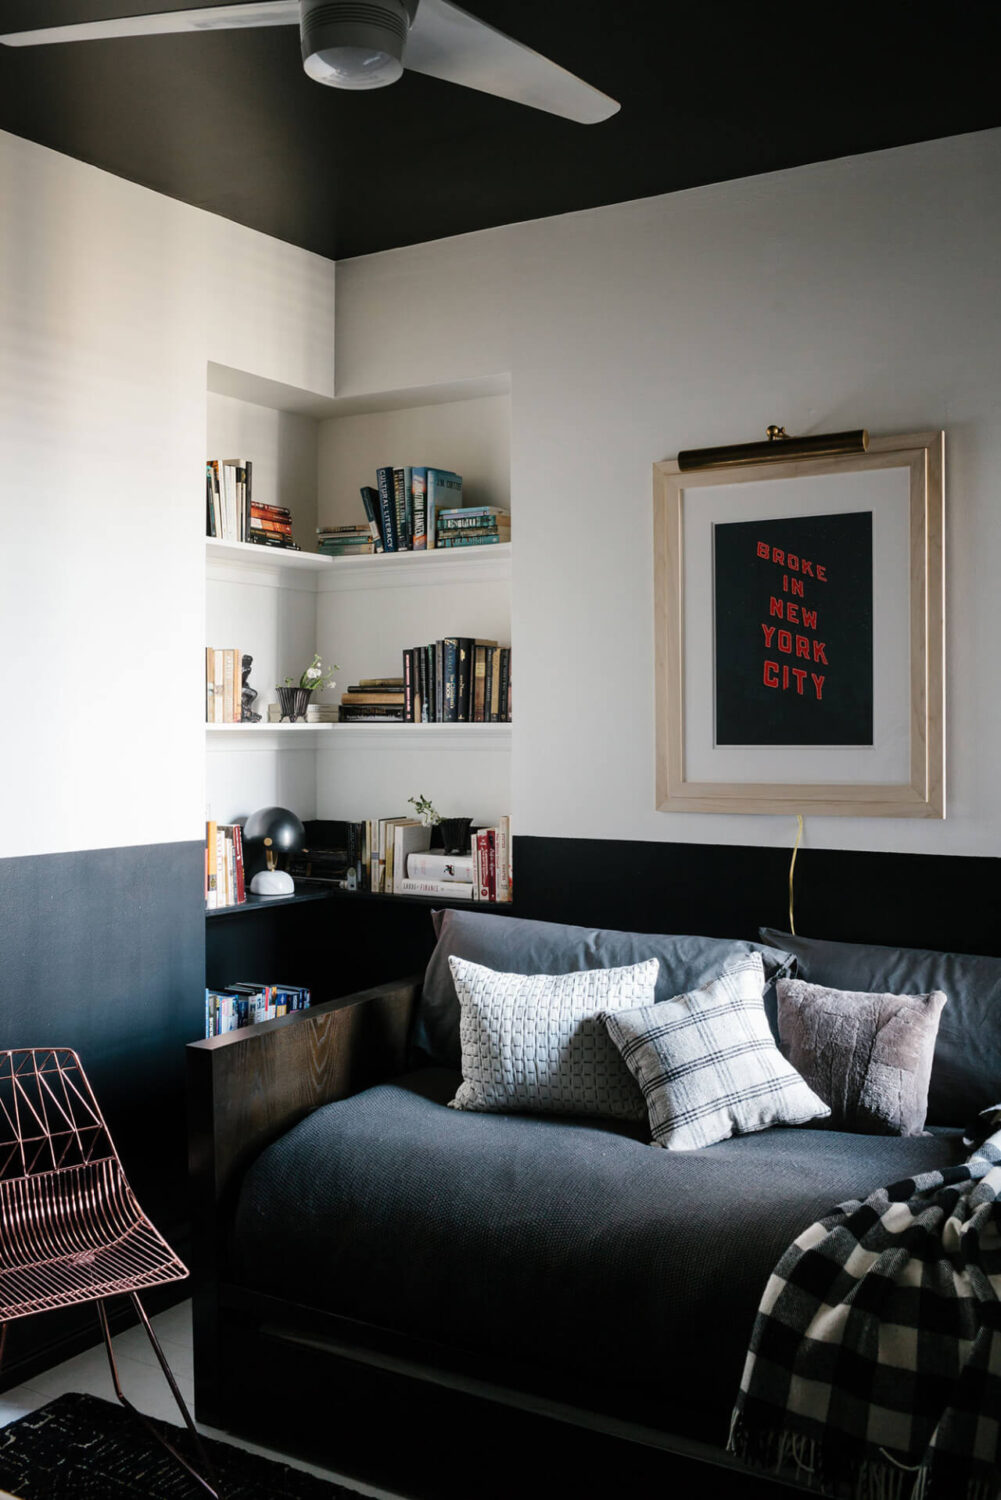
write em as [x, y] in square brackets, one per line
[449, 43]
[209, 18]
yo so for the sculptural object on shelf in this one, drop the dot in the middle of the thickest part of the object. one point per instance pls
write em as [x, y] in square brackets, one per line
[247, 694]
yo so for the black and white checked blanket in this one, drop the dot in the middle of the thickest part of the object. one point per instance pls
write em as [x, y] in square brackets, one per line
[874, 1368]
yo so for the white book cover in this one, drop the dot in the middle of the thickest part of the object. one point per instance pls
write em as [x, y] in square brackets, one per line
[455, 890]
[408, 839]
[441, 867]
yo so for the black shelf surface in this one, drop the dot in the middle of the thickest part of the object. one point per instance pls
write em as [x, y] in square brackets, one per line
[304, 891]
[316, 891]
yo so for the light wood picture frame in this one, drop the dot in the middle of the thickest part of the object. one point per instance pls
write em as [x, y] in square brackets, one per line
[899, 770]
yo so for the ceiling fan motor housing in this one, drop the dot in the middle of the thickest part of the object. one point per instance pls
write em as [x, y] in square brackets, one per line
[355, 43]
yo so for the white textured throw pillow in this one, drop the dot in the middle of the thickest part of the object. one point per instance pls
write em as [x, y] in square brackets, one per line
[536, 1042]
[707, 1063]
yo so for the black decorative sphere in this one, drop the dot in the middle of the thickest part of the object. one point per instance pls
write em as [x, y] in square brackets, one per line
[279, 825]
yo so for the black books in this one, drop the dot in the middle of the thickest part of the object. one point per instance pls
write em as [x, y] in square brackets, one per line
[370, 500]
[457, 680]
[387, 508]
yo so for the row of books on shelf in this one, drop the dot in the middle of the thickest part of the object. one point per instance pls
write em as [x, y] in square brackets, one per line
[393, 856]
[225, 879]
[454, 680]
[231, 512]
[244, 1003]
[415, 509]
[223, 685]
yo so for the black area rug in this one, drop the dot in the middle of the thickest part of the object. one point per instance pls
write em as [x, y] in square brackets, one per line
[81, 1448]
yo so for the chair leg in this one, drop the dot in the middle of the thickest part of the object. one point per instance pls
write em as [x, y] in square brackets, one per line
[165, 1442]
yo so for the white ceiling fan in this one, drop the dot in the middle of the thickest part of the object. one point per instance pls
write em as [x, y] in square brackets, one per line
[366, 44]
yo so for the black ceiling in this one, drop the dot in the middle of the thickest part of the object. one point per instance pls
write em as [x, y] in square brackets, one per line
[710, 90]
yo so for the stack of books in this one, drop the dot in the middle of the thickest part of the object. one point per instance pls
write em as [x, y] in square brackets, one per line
[316, 713]
[393, 856]
[231, 512]
[223, 685]
[244, 1003]
[373, 700]
[473, 526]
[346, 541]
[270, 525]
[457, 680]
[224, 874]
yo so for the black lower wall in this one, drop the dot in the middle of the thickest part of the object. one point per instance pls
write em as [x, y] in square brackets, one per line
[949, 902]
[104, 951]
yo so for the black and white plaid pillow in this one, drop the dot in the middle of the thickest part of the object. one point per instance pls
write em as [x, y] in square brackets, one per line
[708, 1065]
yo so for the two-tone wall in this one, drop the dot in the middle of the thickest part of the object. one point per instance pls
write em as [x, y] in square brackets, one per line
[864, 291]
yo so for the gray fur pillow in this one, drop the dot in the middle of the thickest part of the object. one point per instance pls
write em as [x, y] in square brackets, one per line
[868, 1056]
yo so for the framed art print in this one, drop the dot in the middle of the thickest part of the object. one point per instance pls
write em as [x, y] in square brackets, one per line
[800, 634]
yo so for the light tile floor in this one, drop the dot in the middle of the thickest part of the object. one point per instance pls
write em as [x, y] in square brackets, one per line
[142, 1381]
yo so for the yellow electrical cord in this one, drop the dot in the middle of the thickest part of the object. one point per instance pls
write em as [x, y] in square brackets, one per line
[792, 871]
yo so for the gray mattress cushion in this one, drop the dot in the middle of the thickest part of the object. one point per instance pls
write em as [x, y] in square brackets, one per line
[518, 945]
[966, 1072]
[564, 1246]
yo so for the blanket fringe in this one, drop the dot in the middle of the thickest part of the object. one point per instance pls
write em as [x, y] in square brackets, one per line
[793, 1455]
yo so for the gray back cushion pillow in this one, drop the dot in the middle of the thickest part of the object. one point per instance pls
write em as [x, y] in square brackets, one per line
[516, 945]
[966, 1073]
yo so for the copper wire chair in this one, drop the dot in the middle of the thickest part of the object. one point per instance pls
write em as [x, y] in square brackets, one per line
[71, 1229]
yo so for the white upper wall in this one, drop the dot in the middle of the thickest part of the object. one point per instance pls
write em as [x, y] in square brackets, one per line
[861, 292]
[112, 301]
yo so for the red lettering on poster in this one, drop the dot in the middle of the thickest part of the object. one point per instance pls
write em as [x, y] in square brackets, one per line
[793, 678]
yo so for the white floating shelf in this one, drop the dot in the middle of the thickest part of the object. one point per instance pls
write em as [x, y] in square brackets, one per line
[460, 737]
[265, 736]
[277, 567]
[390, 570]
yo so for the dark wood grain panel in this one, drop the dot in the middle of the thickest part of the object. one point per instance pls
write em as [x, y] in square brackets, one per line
[248, 1088]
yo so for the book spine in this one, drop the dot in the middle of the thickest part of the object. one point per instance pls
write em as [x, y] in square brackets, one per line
[482, 866]
[400, 512]
[229, 685]
[209, 685]
[273, 525]
[488, 681]
[431, 698]
[442, 868]
[218, 715]
[494, 654]
[408, 505]
[504, 692]
[387, 508]
[503, 858]
[492, 864]
[464, 700]
[220, 864]
[479, 682]
[408, 687]
[467, 541]
[455, 890]
[370, 500]
[419, 484]
[439, 682]
[450, 699]
[212, 899]
[471, 521]
[241, 887]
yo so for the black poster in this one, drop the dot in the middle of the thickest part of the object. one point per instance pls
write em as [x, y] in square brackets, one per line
[793, 631]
